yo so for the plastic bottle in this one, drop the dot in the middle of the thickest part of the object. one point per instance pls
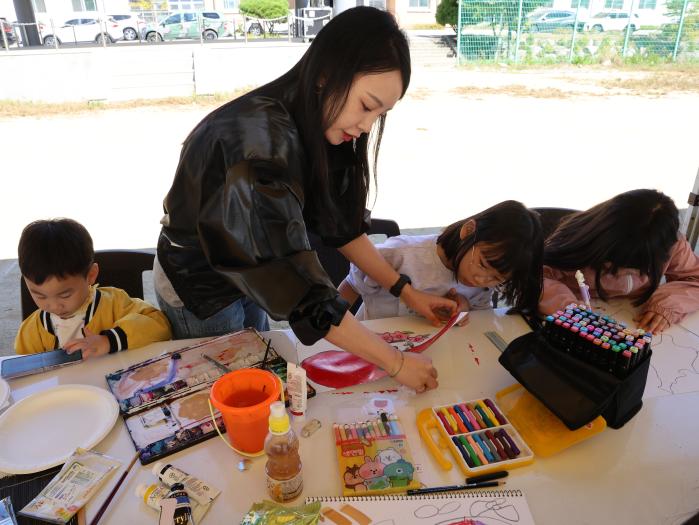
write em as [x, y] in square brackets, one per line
[283, 468]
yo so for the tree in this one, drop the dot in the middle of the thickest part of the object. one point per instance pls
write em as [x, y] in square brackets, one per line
[447, 13]
[265, 9]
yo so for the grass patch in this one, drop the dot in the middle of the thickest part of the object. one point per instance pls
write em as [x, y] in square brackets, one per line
[516, 90]
[658, 83]
[17, 108]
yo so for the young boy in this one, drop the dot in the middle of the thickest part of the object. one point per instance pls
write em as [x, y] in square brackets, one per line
[56, 259]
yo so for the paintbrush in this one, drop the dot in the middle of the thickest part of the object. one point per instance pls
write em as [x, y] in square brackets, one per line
[264, 359]
[223, 368]
[109, 499]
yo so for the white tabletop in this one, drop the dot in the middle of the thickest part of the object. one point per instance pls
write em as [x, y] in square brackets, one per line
[646, 472]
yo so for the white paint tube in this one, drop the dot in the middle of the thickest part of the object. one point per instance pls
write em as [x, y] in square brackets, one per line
[296, 387]
[198, 490]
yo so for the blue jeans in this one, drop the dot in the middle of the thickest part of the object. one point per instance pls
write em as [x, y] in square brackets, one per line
[243, 313]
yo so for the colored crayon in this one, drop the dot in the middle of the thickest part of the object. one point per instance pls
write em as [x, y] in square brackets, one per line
[484, 416]
[452, 424]
[478, 450]
[484, 448]
[463, 451]
[395, 427]
[513, 446]
[493, 449]
[476, 415]
[470, 417]
[472, 454]
[463, 417]
[498, 446]
[445, 423]
[338, 436]
[457, 419]
[501, 419]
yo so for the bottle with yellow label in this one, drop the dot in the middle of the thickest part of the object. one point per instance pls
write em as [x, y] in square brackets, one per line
[283, 468]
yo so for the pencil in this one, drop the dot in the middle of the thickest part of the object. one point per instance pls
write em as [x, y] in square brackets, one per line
[109, 499]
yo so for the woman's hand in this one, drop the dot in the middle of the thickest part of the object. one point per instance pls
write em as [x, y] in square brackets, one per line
[417, 372]
[427, 305]
[652, 322]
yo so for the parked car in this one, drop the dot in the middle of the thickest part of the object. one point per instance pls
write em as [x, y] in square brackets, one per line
[186, 24]
[9, 32]
[257, 27]
[553, 19]
[77, 30]
[612, 21]
[130, 25]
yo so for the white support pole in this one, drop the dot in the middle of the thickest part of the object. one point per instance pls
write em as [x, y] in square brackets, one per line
[690, 224]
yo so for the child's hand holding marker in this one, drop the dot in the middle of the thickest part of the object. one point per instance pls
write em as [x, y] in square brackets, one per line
[651, 321]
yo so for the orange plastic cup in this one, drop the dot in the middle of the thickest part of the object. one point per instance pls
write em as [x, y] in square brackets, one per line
[243, 397]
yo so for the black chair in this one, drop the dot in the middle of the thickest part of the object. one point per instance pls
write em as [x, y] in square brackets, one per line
[550, 218]
[119, 268]
[335, 264]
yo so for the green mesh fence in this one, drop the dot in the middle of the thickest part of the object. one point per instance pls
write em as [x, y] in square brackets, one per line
[577, 31]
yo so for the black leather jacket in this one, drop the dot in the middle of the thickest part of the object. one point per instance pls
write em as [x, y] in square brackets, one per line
[235, 222]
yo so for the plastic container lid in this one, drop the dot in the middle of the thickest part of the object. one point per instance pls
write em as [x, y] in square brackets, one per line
[141, 490]
[158, 467]
[539, 427]
[278, 418]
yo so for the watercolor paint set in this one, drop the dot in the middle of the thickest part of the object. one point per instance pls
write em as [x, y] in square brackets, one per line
[165, 400]
[480, 438]
[374, 457]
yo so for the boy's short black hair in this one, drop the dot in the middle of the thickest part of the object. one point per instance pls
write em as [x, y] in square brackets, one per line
[54, 248]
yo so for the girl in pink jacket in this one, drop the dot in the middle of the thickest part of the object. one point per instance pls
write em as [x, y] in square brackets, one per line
[624, 247]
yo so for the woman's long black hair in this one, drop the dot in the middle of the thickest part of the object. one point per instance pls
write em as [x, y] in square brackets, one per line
[636, 229]
[361, 40]
[514, 245]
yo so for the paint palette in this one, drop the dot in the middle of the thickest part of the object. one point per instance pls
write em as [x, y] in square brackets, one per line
[165, 400]
[478, 435]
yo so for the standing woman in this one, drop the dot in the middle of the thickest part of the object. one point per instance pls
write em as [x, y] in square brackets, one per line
[259, 172]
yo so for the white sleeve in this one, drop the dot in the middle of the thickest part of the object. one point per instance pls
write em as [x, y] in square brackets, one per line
[365, 285]
[482, 299]
[361, 282]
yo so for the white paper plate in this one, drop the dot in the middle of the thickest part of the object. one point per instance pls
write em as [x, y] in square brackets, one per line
[4, 393]
[44, 429]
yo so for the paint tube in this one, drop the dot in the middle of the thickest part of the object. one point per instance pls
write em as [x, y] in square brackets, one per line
[198, 490]
[296, 386]
[79, 479]
[176, 509]
[153, 495]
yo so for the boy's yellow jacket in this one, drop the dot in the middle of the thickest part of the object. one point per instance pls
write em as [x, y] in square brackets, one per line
[127, 322]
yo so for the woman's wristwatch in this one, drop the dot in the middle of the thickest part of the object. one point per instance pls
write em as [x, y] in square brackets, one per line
[397, 288]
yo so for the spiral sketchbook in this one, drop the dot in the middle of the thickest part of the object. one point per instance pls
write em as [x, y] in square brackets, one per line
[483, 507]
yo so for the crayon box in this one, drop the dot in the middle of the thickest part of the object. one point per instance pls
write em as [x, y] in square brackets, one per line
[374, 457]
